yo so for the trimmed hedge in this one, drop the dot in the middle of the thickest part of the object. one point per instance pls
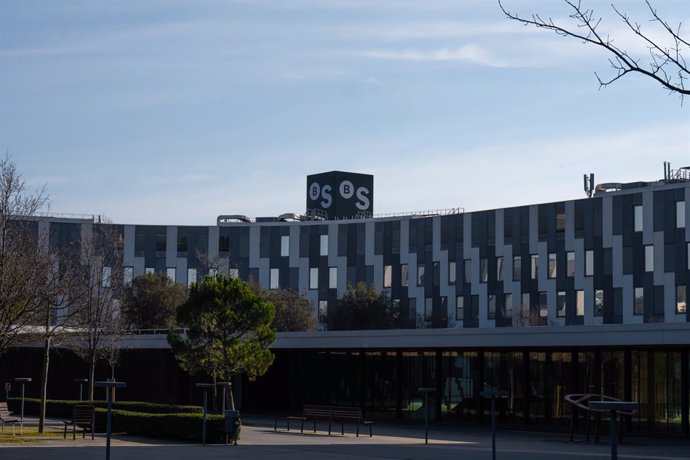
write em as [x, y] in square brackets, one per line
[151, 420]
[63, 408]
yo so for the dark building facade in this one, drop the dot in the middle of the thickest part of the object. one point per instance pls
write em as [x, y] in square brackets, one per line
[542, 300]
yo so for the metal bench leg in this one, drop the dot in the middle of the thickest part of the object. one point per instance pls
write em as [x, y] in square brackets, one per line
[74, 432]
[587, 437]
[342, 429]
[65, 435]
[288, 424]
[314, 426]
[329, 428]
[357, 430]
[371, 433]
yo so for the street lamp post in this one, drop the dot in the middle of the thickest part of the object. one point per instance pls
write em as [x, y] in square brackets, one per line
[109, 386]
[81, 383]
[493, 394]
[23, 381]
[205, 387]
[426, 392]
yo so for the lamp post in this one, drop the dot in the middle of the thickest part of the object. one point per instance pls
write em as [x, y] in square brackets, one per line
[23, 381]
[205, 387]
[426, 392]
[614, 407]
[81, 383]
[493, 394]
[109, 386]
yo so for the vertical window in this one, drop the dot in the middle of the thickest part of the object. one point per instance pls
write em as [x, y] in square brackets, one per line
[681, 299]
[404, 275]
[323, 310]
[233, 272]
[552, 265]
[534, 266]
[680, 214]
[589, 263]
[333, 278]
[323, 246]
[649, 258]
[517, 268]
[128, 276]
[452, 273]
[274, 278]
[224, 243]
[150, 270]
[580, 302]
[313, 278]
[160, 243]
[599, 302]
[560, 304]
[459, 308]
[171, 273]
[105, 278]
[638, 218]
[420, 275]
[483, 271]
[387, 276]
[428, 307]
[436, 270]
[508, 305]
[570, 264]
[524, 307]
[543, 308]
[468, 270]
[284, 245]
[181, 243]
[492, 307]
[412, 308]
[499, 268]
[191, 276]
[639, 301]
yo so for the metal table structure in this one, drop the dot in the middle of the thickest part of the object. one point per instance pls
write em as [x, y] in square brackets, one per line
[614, 407]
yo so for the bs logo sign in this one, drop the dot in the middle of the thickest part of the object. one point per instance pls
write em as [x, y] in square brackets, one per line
[342, 194]
[346, 190]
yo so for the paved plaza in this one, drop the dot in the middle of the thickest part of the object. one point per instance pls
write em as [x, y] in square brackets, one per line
[389, 442]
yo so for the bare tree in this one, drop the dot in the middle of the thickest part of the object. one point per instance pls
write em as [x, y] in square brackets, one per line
[98, 292]
[25, 264]
[665, 63]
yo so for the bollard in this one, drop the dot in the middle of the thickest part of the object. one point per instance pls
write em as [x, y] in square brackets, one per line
[109, 386]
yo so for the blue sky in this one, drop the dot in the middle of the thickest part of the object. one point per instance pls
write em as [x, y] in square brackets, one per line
[173, 112]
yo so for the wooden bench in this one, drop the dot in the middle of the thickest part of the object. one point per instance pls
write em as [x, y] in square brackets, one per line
[84, 417]
[330, 414]
[6, 417]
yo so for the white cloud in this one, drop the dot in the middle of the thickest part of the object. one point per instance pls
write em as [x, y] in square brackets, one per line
[469, 53]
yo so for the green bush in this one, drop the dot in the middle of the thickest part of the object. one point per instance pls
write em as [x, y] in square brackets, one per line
[63, 408]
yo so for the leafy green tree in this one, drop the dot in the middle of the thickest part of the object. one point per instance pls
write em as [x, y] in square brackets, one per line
[151, 300]
[362, 307]
[229, 329]
[293, 312]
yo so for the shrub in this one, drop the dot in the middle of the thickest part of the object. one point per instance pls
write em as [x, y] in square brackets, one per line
[63, 408]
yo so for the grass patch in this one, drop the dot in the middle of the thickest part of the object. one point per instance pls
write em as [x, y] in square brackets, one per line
[29, 434]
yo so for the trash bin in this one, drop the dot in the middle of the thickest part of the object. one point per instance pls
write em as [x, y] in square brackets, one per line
[232, 425]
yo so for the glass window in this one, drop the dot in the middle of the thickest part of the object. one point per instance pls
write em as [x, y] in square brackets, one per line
[274, 278]
[680, 214]
[492, 307]
[560, 222]
[105, 278]
[524, 308]
[171, 273]
[599, 302]
[468, 270]
[323, 246]
[639, 301]
[428, 307]
[517, 268]
[191, 276]
[412, 308]
[387, 276]
[499, 268]
[149, 270]
[483, 271]
[181, 243]
[451, 272]
[333, 278]
[649, 258]
[580, 302]
[313, 278]
[459, 308]
[638, 218]
[284, 245]
[323, 310]
[508, 305]
[224, 243]
[420, 275]
[160, 243]
[543, 308]
[560, 304]
[404, 275]
[681, 299]
[128, 276]
[436, 267]
[570, 264]
[589, 263]
[534, 266]
[233, 273]
[552, 265]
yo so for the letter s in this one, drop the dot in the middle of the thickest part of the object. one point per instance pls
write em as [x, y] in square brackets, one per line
[326, 195]
[362, 195]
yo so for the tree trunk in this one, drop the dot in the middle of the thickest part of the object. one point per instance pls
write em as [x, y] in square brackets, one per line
[92, 373]
[44, 385]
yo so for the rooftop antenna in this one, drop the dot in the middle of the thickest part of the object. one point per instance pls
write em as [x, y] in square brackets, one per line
[589, 184]
[667, 170]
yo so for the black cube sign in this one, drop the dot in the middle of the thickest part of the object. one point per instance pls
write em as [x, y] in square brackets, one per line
[341, 195]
